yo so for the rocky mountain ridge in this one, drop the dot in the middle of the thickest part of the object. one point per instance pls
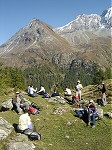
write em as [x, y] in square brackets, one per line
[89, 22]
[86, 38]
[91, 36]
[35, 43]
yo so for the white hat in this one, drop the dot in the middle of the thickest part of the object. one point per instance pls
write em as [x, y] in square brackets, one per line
[17, 92]
[91, 101]
[78, 81]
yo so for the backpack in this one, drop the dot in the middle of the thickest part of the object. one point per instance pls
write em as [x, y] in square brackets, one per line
[46, 95]
[32, 135]
[33, 110]
[34, 105]
[14, 101]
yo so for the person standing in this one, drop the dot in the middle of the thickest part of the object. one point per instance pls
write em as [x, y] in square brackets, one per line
[78, 89]
[103, 90]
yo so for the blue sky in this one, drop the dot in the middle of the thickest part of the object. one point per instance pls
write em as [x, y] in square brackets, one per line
[15, 14]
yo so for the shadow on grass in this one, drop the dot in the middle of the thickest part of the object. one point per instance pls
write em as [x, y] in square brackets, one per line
[15, 127]
[83, 116]
[68, 101]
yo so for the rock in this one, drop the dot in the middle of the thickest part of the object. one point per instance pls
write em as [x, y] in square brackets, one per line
[59, 111]
[5, 128]
[19, 142]
[57, 99]
[7, 105]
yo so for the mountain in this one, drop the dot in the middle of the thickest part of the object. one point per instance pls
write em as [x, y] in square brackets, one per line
[87, 38]
[34, 44]
[106, 18]
[90, 35]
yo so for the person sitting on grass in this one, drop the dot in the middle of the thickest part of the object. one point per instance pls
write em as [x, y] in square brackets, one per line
[41, 91]
[19, 103]
[16, 103]
[24, 122]
[67, 92]
[92, 113]
[55, 93]
[32, 91]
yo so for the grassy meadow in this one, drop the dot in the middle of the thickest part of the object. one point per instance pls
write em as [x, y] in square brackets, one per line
[64, 131]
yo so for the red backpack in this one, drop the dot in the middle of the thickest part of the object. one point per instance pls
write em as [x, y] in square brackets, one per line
[33, 110]
[76, 98]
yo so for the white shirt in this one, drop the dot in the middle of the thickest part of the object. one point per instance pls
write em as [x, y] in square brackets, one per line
[68, 91]
[42, 89]
[28, 89]
[24, 121]
[79, 87]
[31, 90]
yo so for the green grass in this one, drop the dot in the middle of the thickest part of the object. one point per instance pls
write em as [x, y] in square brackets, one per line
[57, 134]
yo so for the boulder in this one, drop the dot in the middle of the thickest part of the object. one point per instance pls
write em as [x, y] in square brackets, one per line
[5, 128]
[57, 99]
[19, 142]
[7, 105]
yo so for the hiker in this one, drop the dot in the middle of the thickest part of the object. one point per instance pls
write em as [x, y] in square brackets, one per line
[41, 91]
[25, 122]
[78, 89]
[55, 93]
[16, 103]
[55, 88]
[92, 113]
[75, 99]
[28, 89]
[25, 126]
[67, 92]
[103, 90]
[32, 91]
[20, 103]
[23, 103]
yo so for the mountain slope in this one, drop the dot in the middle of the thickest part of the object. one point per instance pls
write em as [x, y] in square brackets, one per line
[35, 43]
[88, 37]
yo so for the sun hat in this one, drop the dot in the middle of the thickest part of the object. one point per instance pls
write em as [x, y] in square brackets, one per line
[17, 92]
[78, 81]
[91, 101]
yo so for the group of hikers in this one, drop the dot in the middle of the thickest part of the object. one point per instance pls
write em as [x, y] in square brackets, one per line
[34, 93]
[22, 105]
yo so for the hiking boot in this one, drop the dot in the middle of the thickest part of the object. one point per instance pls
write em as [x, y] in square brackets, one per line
[93, 126]
[88, 124]
[19, 113]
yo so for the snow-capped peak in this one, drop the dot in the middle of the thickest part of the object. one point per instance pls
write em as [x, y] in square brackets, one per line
[89, 22]
[106, 18]
[82, 22]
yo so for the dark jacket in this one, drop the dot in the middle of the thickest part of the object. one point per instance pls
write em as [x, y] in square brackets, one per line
[103, 88]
